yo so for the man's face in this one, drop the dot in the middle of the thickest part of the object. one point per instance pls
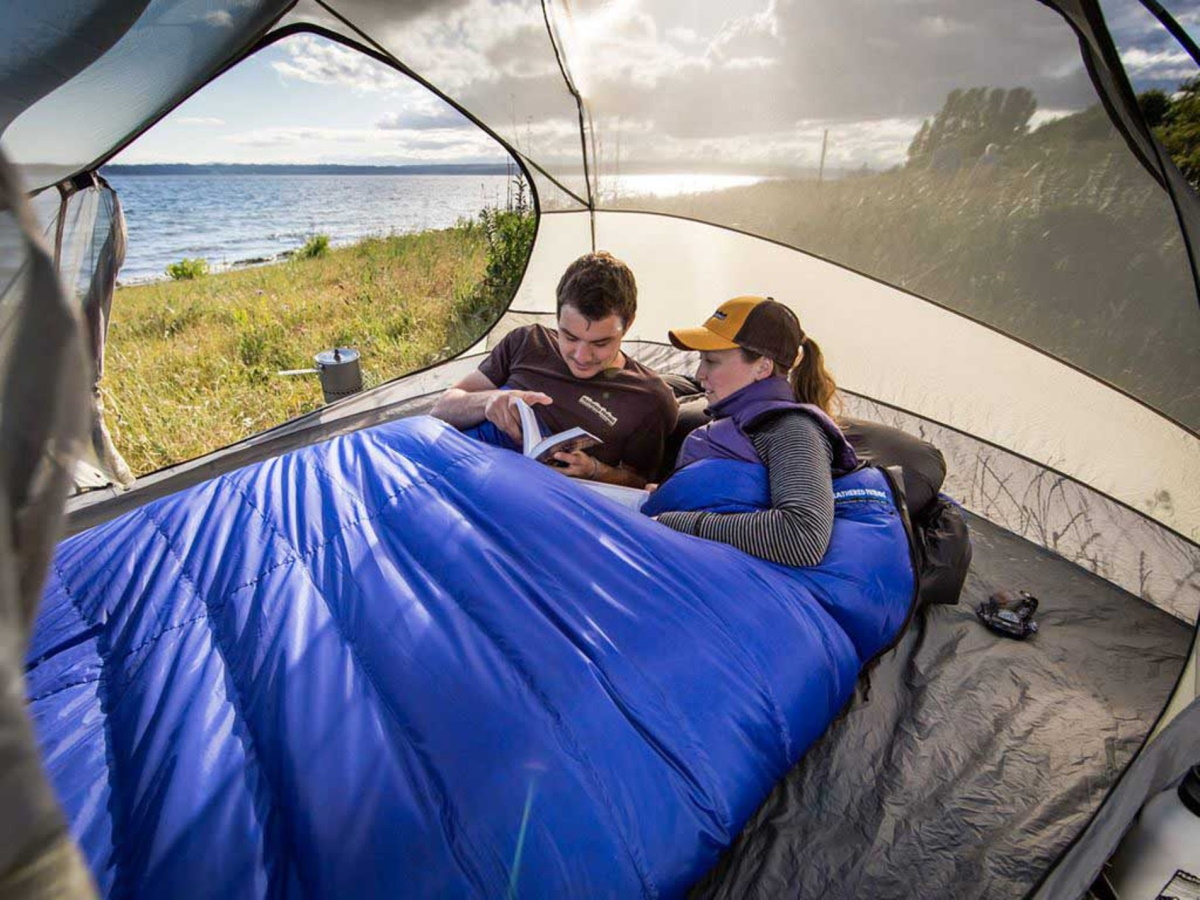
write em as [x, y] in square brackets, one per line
[588, 347]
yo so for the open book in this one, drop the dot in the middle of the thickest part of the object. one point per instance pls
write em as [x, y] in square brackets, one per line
[543, 449]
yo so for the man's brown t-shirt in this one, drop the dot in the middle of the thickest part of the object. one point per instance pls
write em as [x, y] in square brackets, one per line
[630, 408]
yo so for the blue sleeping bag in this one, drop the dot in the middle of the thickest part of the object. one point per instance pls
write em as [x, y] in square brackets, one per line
[405, 664]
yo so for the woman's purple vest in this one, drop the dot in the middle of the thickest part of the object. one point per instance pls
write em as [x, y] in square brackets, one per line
[725, 437]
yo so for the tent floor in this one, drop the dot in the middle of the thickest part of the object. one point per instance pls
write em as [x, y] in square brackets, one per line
[968, 762]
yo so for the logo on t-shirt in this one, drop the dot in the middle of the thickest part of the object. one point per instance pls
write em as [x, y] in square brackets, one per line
[599, 410]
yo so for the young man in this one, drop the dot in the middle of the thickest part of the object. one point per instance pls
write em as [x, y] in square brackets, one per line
[576, 375]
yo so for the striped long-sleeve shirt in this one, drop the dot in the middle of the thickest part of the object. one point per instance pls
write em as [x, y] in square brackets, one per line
[795, 530]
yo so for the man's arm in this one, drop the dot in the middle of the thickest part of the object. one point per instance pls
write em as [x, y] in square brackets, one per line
[463, 404]
[476, 398]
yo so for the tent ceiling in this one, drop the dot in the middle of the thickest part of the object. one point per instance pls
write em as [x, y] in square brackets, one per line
[1078, 253]
[1071, 245]
[173, 47]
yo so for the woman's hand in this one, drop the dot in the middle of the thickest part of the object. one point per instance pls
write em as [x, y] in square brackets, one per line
[501, 410]
[578, 464]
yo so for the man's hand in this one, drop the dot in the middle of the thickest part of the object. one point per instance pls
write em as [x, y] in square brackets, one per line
[578, 464]
[501, 410]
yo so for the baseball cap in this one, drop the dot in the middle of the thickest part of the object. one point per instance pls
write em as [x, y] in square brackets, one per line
[759, 324]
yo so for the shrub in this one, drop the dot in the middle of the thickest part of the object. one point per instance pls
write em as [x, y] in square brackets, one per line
[187, 269]
[509, 236]
[315, 247]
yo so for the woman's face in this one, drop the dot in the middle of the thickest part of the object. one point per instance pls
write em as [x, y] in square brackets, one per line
[725, 372]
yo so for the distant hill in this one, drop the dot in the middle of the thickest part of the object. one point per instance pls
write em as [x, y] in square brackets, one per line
[253, 169]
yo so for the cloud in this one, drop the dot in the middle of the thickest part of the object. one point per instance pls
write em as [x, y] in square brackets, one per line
[199, 120]
[422, 119]
[305, 144]
[319, 61]
[1150, 54]
[218, 18]
[752, 80]
[295, 136]
[1158, 65]
[768, 77]
[1044, 116]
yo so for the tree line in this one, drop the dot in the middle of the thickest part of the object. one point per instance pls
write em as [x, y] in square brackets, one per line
[971, 120]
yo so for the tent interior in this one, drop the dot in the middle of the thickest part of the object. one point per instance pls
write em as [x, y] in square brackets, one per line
[1035, 320]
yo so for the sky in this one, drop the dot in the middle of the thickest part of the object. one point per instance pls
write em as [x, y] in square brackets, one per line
[668, 83]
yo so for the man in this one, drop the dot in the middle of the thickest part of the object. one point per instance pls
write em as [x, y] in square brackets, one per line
[576, 375]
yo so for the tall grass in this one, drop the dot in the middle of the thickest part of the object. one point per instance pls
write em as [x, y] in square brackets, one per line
[1076, 252]
[193, 365]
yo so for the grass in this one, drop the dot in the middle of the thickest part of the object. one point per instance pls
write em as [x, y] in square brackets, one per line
[1078, 253]
[191, 365]
[315, 247]
[187, 269]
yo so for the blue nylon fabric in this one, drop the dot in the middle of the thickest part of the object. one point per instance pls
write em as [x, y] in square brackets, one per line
[866, 549]
[713, 485]
[403, 663]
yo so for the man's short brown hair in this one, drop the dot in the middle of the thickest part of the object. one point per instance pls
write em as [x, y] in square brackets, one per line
[599, 285]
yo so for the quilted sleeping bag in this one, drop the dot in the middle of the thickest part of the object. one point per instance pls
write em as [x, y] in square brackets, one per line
[402, 663]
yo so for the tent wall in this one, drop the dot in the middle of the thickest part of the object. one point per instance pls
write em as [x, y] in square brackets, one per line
[43, 370]
[166, 49]
[1059, 513]
[913, 355]
[86, 230]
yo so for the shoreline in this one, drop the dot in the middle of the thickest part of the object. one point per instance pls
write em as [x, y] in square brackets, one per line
[223, 268]
[254, 262]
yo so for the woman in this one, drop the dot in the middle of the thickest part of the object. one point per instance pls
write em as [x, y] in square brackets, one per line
[771, 399]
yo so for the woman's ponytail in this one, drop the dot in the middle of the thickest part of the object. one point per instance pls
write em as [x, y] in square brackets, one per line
[811, 381]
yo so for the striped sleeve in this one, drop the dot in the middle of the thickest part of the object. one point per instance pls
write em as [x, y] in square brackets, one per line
[795, 531]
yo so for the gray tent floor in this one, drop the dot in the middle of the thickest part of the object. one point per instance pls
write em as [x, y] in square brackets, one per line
[968, 762]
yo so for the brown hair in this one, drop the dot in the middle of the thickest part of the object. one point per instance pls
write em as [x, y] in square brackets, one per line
[599, 285]
[810, 380]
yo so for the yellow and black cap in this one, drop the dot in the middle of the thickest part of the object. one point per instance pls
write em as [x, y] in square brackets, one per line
[759, 324]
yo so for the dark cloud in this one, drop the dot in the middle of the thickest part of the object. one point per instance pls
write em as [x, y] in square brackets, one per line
[860, 60]
[377, 17]
[758, 69]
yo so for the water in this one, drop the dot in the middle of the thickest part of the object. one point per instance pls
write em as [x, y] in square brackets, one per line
[229, 219]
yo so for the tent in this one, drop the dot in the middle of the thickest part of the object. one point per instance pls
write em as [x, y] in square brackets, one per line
[1047, 346]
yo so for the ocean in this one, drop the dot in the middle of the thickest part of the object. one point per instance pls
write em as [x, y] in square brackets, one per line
[232, 219]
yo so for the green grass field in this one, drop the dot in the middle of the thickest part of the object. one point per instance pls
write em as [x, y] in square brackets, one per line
[192, 365]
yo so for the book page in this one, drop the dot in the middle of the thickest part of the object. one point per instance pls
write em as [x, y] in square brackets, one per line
[630, 497]
[531, 432]
[543, 451]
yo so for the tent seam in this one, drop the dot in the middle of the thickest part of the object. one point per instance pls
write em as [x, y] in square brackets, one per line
[64, 687]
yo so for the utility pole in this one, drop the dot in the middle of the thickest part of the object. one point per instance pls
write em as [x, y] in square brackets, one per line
[824, 144]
